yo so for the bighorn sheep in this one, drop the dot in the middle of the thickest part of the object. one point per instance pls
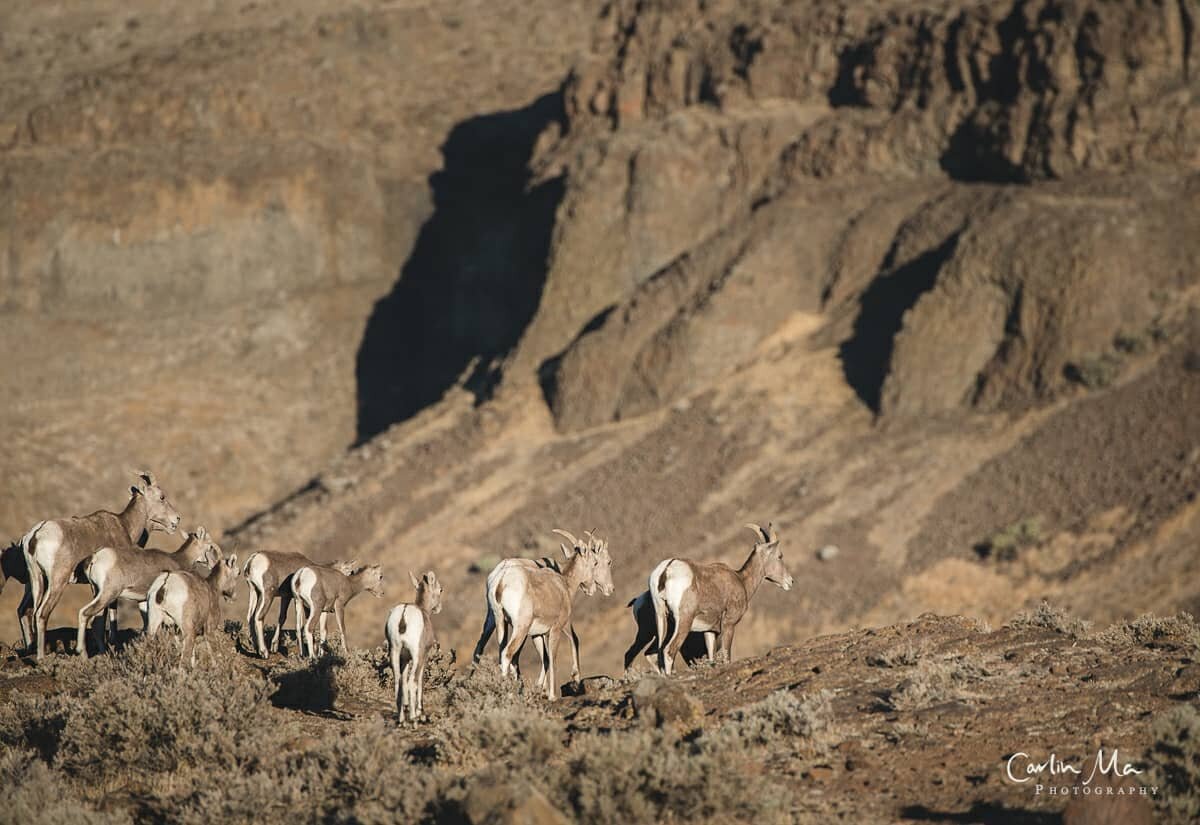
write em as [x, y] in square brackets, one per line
[55, 550]
[642, 606]
[192, 603]
[127, 573]
[318, 590]
[269, 574]
[489, 619]
[410, 636]
[13, 566]
[536, 601]
[711, 598]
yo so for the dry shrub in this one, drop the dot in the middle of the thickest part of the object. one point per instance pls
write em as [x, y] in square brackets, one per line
[1051, 618]
[1174, 763]
[650, 776]
[905, 654]
[935, 682]
[784, 715]
[34, 794]
[364, 673]
[34, 722]
[1153, 631]
[160, 721]
[358, 776]
[513, 734]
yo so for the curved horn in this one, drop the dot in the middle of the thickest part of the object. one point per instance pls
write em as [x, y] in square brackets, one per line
[762, 536]
[574, 541]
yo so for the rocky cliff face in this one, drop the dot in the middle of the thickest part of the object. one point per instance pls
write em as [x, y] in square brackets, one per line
[1018, 175]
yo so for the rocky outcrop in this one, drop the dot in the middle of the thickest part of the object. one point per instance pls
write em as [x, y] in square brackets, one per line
[1019, 175]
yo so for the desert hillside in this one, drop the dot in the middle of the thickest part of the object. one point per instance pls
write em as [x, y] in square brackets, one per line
[417, 283]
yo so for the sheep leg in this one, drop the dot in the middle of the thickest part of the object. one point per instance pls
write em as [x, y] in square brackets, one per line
[419, 679]
[86, 614]
[300, 623]
[339, 611]
[285, 601]
[251, 611]
[489, 627]
[539, 644]
[187, 631]
[403, 687]
[516, 641]
[710, 643]
[25, 617]
[551, 646]
[42, 614]
[662, 614]
[322, 622]
[397, 675]
[727, 643]
[33, 591]
[683, 626]
[260, 615]
[574, 653]
[110, 624]
[645, 635]
[260, 643]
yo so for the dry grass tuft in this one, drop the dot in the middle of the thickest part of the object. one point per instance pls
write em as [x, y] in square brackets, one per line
[1153, 631]
[1051, 618]
[935, 682]
[1174, 764]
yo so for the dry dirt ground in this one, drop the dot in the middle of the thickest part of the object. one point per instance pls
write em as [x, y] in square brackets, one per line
[912, 722]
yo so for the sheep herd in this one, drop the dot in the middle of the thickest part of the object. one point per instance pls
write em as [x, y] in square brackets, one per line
[525, 598]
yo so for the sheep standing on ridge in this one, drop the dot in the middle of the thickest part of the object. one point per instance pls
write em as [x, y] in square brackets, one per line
[192, 603]
[127, 573]
[54, 550]
[711, 598]
[410, 636]
[537, 602]
[269, 574]
[319, 590]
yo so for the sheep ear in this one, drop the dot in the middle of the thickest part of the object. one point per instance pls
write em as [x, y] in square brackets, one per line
[232, 561]
[416, 583]
[566, 552]
[429, 577]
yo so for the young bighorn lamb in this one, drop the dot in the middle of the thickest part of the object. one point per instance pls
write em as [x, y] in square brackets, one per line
[127, 573]
[192, 603]
[269, 574]
[489, 619]
[13, 566]
[711, 598]
[319, 590]
[410, 636]
[537, 602]
[54, 550]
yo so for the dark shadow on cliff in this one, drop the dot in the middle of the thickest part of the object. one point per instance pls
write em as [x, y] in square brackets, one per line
[867, 354]
[475, 275]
